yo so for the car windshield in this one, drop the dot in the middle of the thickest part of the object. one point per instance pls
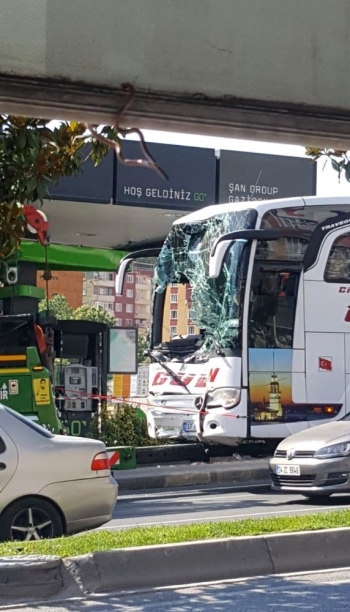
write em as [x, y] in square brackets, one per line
[216, 303]
[29, 423]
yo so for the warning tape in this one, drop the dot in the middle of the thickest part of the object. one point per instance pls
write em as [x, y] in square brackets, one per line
[131, 401]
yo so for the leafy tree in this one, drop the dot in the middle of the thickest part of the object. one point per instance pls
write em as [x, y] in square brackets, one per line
[124, 428]
[340, 160]
[36, 153]
[143, 344]
[91, 313]
[59, 306]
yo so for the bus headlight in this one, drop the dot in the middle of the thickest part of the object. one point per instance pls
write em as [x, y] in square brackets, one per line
[226, 397]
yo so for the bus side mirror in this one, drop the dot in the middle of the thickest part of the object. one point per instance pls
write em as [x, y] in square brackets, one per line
[125, 263]
[119, 279]
[222, 243]
[216, 259]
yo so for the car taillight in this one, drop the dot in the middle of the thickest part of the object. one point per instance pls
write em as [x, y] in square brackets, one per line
[100, 462]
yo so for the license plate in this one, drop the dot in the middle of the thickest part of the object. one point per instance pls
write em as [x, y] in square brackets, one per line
[189, 426]
[288, 470]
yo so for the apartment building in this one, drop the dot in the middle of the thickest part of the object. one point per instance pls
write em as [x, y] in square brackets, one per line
[177, 312]
[69, 284]
[134, 307]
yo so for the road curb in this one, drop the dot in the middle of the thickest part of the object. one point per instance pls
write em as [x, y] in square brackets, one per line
[34, 576]
[232, 474]
[175, 564]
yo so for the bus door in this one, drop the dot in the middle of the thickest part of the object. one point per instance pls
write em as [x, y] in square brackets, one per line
[327, 318]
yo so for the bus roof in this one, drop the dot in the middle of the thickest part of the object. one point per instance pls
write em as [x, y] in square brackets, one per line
[261, 206]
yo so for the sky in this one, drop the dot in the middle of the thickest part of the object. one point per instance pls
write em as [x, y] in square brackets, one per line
[327, 179]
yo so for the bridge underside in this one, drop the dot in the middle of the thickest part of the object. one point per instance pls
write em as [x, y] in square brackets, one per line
[261, 69]
[226, 116]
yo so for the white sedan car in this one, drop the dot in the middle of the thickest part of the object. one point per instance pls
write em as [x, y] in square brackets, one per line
[50, 485]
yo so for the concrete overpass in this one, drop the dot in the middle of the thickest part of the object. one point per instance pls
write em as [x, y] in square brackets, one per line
[261, 69]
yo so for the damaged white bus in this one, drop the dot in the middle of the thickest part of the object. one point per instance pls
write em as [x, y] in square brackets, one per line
[270, 298]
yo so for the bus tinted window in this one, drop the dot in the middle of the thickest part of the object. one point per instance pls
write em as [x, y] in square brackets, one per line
[338, 264]
[296, 226]
[272, 310]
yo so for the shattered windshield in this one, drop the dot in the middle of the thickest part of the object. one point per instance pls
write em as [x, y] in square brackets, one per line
[216, 303]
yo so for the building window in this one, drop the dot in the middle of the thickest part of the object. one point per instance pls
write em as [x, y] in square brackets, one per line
[174, 284]
[84, 290]
[105, 290]
[118, 307]
[119, 321]
[106, 276]
[173, 331]
[173, 298]
[128, 321]
[129, 278]
[129, 293]
[129, 308]
[190, 330]
[84, 275]
[173, 314]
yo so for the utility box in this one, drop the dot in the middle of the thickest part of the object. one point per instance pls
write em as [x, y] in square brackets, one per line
[122, 457]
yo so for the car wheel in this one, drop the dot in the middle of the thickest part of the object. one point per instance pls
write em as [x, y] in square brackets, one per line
[30, 519]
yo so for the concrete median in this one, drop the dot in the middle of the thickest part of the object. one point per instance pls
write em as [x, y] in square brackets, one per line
[233, 472]
[31, 576]
[174, 564]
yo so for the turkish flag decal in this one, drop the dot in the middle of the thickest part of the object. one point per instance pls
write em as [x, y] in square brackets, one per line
[325, 364]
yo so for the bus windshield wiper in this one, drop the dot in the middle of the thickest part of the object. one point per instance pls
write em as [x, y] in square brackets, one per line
[174, 376]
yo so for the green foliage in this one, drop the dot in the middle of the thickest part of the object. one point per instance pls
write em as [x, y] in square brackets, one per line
[36, 153]
[94, 541]
[339, 159]
[59, 306]
[143, 344]
[91, 313]
[124, 428]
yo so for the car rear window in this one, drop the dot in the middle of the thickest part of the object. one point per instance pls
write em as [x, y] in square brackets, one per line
[29, 423]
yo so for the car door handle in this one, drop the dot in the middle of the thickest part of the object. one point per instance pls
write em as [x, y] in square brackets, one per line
[3, 466]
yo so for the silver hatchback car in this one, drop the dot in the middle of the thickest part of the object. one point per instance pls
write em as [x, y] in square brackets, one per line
[314, 462]
[50, 485]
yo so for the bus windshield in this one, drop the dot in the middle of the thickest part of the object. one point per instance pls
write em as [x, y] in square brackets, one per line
[215, 303]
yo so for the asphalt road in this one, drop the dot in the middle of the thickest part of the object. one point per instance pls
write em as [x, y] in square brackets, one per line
[209, 503]
[318, 592]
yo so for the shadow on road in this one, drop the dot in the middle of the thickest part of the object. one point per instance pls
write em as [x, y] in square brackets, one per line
[265, 595]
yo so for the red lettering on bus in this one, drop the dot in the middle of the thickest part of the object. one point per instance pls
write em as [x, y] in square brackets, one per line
[159, 379]
[213, 374]
[201, 382]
